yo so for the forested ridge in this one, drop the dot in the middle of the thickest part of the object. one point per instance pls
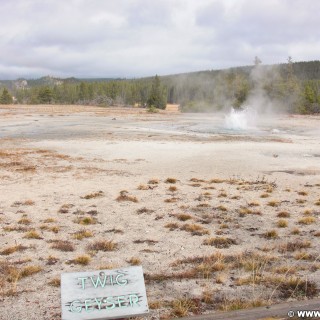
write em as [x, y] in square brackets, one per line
[291, 86]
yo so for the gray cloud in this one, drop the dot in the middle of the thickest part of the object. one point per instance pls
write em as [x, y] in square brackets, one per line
[133, 38]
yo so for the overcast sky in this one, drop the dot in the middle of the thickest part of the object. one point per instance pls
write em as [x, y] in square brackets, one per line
[134, 38]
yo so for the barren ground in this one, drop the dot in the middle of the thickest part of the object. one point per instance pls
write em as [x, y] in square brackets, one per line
[219, 220]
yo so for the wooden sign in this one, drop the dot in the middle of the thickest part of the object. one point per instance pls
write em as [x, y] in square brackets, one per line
[103, 294]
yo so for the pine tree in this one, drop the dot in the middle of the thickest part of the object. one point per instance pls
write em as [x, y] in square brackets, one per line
[6, 97]
[157, 97]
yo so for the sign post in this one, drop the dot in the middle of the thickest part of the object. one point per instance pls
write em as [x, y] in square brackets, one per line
[103, 294]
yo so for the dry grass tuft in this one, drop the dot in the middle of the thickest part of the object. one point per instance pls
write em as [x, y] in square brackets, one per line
[93, 195]
[134, 261]
[103, 245]
[271, 234]
[283, 214]
[86, 220]
[144, 210]
[32, 234]
[182, 307]
[29, 271]
[194, 229]
[13, 249]
[25, 221]
[172, 188]
[63, 245]
[219, 242]
[55, 282]
[171, 180]
[307, 220]
[124, 196]
[264, 195]
[273, 203]
[302, 193]
[183, 216]
[153, 181]
[83, 260]
[282, 223]
[172, 226]
[81, 234]
[292, 246]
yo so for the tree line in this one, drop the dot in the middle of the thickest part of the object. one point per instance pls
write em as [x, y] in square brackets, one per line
[291, 86]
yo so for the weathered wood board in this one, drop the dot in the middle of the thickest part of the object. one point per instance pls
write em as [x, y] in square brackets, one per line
[103, 294]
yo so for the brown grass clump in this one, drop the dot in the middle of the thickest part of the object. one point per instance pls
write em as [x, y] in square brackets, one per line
[55, 282]
[183, 216]
[194, 229]
[86, 220]
[302, 193]
[283, 214]
[254, 204]
[49, 220]
[144, 210]
[182, 307]
[65, 208]
[216, 180]
[93, 195]
[271, 234]
[29, 271]
[264, 195]
[13, 249]
[222, 208]
[244, 211]
[304, 256]
[83, 260]
[307, 212]
[219, 242]
[172, 226]
[307, 220]
[81, 234]
[171, 180]
[28, 202]
[282, 223]
[294, 287]
[301, 201]
[153, 181]
[222, 194]
[143, 187]
[103, 245]
[32, 234]
[317, 203]
[238, 304]
[25, 221]
[134, 261]
[172, 200]
[124, 196]
[295, 231]
[273, 203]
[51, 260]
[63, 245]
[172, 188]
[292, 246]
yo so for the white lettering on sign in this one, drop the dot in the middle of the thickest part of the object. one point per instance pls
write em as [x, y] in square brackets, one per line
[103, 294]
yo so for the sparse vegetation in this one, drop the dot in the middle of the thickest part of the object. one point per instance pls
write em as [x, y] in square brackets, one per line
[81, 234]
[219, 242]
[103, 245]
[63, 245]
[32, 234]
[124, 196]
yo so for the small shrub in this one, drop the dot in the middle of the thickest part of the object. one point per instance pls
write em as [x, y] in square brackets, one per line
[153, 181]
[12, 249]
[194, 229]
[273, 203]
[170, 180]
[81, 234]
[307, 220]
[63, 245]
[83, 260]
[283, 214]
[86, 220]
[302, 193]
[272, 234]
[55, 282]
[282, 223]
[32, 234]
[183, 216]
[219, 242]
[124, 196]
[134, 261]
[30, 270]
[103, 245]
[93, 195]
